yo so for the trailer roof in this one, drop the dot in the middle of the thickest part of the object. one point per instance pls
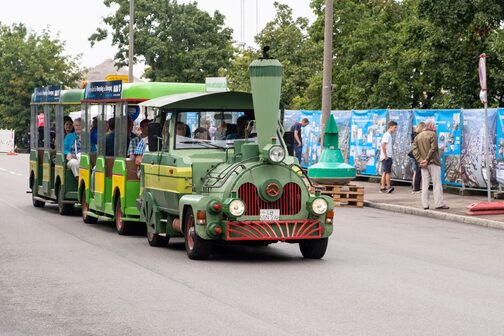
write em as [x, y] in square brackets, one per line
[229, 100]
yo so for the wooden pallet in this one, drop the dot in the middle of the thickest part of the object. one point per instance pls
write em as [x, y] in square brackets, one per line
[343, 195]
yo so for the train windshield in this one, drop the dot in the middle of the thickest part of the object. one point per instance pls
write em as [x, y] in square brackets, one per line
[213, 129]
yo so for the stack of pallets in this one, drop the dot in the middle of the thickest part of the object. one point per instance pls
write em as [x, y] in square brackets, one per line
[343, 195]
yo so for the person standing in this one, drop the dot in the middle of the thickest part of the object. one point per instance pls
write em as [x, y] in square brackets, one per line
[386, 157]
[426, 152]
[298, 138]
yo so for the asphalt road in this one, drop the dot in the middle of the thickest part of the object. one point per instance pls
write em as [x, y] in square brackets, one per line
[383, 274]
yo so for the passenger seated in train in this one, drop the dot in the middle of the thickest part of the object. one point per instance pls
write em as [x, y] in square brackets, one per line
[201, 133]
[109, 139]
[241, 126]
[72, 148]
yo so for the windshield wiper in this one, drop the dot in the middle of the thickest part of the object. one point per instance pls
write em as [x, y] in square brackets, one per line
[203, 143]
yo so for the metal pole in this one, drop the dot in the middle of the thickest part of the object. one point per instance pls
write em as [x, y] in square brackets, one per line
[327, 72]
[487, 156]
[131, 79]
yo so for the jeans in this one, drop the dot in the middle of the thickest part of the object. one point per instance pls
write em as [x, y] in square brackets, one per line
[298, 152]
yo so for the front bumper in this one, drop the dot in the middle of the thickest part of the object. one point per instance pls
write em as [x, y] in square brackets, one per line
[281, 230]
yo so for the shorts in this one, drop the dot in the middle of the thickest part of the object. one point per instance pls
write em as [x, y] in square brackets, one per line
[387, 165]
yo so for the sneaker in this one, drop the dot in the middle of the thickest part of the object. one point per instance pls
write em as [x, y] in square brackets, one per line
[418, 192]
[383, 190]
[443, 207]
[390, 190]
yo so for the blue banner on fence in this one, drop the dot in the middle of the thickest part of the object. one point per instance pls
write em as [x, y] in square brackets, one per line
[311, 138]
[401, 166]
[472, 161]
[367, 128]
[499, 148]
[343, 120]
[106, 90]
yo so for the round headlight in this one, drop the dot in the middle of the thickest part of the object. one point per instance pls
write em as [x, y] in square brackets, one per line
[236, 207]
[319, 206]
[276, 154]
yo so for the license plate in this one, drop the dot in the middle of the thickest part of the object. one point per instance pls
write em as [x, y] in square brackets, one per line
[269, 214]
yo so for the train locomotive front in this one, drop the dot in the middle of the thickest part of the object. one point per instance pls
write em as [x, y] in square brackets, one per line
[250, 192]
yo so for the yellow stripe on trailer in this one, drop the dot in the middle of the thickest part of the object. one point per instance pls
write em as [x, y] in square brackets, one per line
[59, 171]
[84, 177]
[100, 182]
[119, 181]
[167, 178]
[46, 175]
[33, 168]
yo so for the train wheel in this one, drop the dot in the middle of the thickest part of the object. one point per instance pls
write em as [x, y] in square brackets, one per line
[64, 209]
[123, 227]
[36, 203]
[196, 247]
[313, 248]
[154, 239]
[85, 209]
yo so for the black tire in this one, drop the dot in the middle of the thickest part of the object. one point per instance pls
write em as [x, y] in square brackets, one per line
[313, 248]
[196, 247]
[84, 205]
[36, 203]
[156, 240]
[124, 228]
[64, 209]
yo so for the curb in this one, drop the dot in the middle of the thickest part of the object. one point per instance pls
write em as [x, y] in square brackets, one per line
[436, 214]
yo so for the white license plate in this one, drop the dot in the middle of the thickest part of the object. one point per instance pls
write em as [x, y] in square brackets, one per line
[269, 214]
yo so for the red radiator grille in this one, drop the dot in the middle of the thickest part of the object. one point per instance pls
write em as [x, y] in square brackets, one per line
[274, 230]
[289, 203]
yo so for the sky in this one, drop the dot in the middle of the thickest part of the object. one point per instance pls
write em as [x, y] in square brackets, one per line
[74, 21]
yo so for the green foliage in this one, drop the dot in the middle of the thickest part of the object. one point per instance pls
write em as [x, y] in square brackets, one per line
[178, 42]
[29, 60]
[412, 53]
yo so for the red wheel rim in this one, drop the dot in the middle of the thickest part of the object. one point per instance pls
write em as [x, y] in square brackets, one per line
[191, 232]
[84, 205]
[118, 215]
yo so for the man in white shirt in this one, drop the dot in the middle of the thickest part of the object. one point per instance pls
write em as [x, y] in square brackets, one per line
[386, 155]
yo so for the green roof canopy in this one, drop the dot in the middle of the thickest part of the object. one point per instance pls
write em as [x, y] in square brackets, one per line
[230, 100]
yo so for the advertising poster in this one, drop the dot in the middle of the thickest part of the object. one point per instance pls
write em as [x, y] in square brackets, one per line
[449, 133]
[499, 153]
[450, 145]
[472, 160]
[401, 164]
[367, 128]
[311, 136]
[343, 120]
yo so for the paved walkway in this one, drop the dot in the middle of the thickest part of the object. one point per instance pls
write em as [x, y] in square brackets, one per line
[402, 200]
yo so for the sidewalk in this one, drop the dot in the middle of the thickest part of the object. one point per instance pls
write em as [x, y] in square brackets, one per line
[403, 201]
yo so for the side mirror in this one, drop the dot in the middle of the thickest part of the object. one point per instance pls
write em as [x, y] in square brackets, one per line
[154, 136]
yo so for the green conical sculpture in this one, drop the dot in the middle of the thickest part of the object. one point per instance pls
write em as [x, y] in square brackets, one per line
[331, 168]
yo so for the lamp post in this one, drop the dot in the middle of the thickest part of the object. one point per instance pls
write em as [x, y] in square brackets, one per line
[131, 79]
[327, 72]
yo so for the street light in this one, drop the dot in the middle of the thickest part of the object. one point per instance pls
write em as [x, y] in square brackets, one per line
[131, 79]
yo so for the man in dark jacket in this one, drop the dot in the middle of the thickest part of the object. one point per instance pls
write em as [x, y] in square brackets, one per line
[426, 152]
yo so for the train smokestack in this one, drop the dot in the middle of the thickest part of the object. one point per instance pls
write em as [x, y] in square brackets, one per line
[266, 80]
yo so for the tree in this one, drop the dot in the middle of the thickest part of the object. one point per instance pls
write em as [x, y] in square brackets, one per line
[29, 60]
[412, 53]
[179, 42]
